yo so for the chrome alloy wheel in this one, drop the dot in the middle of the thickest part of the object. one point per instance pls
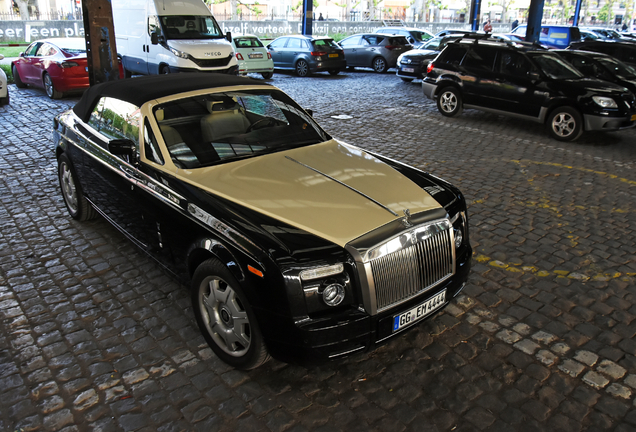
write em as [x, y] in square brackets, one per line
[224, 316]
[448, 101]
[69, 190]
[48, 86]
[563, 124]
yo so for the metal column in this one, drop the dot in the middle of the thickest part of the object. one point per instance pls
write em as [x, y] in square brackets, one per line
[475, 14]
[99, 32]
[535, 14]
[308, 17]
[577, 12]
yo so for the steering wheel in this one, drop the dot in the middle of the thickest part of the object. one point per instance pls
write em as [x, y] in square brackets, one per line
[262, 123]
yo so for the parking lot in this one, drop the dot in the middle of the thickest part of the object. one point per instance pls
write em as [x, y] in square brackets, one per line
[95, 336]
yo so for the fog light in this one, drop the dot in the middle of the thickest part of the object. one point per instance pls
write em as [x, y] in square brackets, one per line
[333, 295]
[459, 237]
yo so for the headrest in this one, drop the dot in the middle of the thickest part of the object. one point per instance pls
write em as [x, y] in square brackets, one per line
[159, 115]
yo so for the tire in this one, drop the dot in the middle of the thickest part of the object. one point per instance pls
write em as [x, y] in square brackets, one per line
[267, 75]
[407, 80]
[5, 100]
[565, 124]
[49, 87]
[127, 73]
[16, 78]
[379, 65]
[334, 71]
[225, 318]
[449, 102]
[78, 207]
[164, 69]
[302, 68]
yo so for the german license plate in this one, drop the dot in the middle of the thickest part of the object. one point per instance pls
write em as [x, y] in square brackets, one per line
[255, 56]
[633, 117]
[411, 70]
[333, 55]
[418, 312]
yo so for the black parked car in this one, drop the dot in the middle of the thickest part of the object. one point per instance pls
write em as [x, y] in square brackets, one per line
[307, 54]
[601, 66]
[296, 245]
[376, 51]
[519, 80]
[412, 64]
[624, 51]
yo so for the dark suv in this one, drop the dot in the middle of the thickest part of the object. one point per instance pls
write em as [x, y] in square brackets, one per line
[520, 80]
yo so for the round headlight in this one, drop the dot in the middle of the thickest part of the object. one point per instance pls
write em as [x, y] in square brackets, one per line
[459, 237]
[333, 295]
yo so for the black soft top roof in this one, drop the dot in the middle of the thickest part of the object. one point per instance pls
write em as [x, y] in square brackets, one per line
[139, 90]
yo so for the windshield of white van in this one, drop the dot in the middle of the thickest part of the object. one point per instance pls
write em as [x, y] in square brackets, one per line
[190, 27]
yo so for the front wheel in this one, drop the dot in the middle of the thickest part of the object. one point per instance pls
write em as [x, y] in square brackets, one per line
[449, 102]
[225, 318]
[164, 69]
[16, 78]
[78, 207]
[379, 65]
[565, 124]
[49, 87]
[5, 100]
[302, 68]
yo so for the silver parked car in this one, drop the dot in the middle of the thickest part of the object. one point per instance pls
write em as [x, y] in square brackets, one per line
[376, 51]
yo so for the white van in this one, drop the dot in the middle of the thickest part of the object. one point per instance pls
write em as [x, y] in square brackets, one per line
[165, 36]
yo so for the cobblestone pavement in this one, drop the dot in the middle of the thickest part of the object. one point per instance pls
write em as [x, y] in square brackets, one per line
[94, 336]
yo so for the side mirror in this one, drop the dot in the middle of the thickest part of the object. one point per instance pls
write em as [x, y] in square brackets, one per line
[534, 76]
[310, 112]
[154, 38]
[21, 54]
[122, 147]
[228, 36]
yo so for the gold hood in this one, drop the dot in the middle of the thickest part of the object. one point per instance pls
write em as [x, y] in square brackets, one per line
[287, 187]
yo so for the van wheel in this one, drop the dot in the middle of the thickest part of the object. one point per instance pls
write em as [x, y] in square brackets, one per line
[164, 69]
[565, 124]
[302, 68]
[225, 318]
[449, 102]
[127, 73]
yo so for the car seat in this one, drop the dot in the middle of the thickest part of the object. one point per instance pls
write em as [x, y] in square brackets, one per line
[226, 119]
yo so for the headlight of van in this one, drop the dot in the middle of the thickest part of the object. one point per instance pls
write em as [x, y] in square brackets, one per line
[604, 102]
[178, 53]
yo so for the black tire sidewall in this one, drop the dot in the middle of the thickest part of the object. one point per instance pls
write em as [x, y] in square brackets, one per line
[458, 96]
[578, 129]
[16, 78]
[64, 160]
[254, 356]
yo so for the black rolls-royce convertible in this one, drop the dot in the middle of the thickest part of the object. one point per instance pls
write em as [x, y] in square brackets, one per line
[296, 245]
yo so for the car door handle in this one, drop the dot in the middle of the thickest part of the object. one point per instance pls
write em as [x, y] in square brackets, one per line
[129, 173]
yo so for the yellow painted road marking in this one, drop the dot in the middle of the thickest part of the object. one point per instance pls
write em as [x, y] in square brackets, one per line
[519, 268]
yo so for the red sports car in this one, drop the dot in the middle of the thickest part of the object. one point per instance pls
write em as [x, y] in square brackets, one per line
[58, 65]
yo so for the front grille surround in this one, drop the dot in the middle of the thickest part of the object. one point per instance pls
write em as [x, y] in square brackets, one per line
[407, 265]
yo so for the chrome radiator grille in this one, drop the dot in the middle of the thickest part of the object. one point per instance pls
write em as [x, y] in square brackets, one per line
[406, 272]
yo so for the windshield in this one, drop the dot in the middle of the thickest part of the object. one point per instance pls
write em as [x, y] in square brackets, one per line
[555, 67]
[190, 27]
[209, 129]
[618, 67]
[421, 36]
